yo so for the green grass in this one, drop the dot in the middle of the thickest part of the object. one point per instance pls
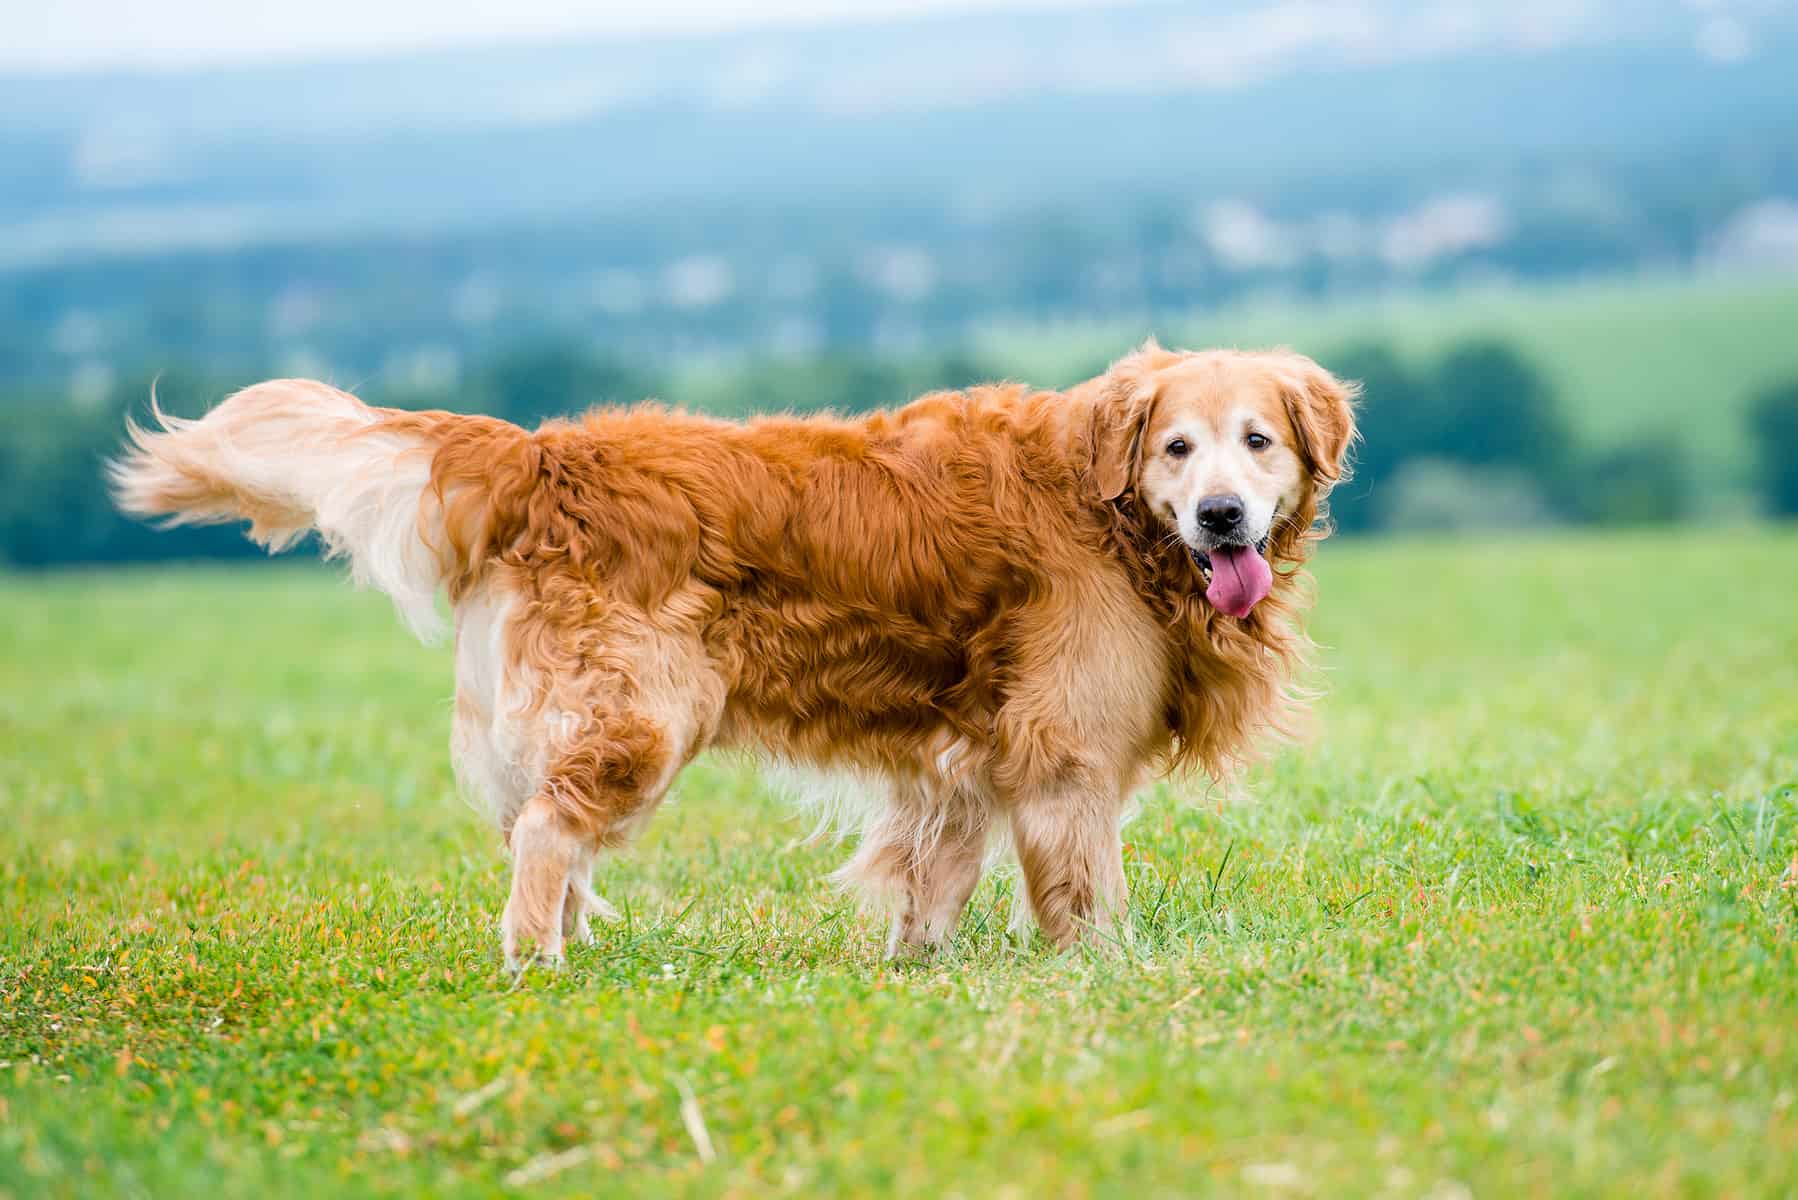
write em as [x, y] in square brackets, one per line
[1520, 919]
[1629, 357]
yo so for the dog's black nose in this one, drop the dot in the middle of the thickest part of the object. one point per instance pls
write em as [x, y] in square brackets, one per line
[1220, 514]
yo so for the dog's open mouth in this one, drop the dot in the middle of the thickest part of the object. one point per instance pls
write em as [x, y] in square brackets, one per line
[1237, 578]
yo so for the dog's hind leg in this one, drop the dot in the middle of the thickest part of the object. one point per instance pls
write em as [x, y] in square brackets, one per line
[938, 890]
[597, 793]
[545, 854]
[924, 855]
[498, 751]
[618, 733]
[582, 904]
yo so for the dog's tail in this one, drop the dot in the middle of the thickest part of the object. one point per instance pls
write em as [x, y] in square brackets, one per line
[413, 500]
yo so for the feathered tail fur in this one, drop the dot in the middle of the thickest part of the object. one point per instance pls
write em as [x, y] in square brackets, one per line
[403, 496]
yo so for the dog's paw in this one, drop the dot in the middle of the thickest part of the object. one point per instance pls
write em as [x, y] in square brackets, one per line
[528, 935]
[579, 907]
[516, 965]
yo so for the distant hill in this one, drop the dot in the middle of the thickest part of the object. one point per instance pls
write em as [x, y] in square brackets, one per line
[881, 185]
[1293, 107]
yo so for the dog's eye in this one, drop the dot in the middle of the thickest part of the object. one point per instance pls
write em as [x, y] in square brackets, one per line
[1258, 441]
[1178, 447]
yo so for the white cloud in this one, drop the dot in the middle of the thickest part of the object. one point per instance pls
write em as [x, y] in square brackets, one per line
[1243, 238]
[128, 151]
[699, 281]
[1724, 40]
[1760, 237]
[903, 272]
[62, 34]
[129, 229]
[1441, 228]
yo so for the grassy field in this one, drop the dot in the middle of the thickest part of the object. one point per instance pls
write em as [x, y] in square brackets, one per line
[1629, 357]
[1520, 919]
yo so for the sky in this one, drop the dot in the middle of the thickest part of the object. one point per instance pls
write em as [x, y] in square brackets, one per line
[63, 35]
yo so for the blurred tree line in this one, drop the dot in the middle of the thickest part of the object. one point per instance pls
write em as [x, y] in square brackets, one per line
[1476, 437]
[1480, 437]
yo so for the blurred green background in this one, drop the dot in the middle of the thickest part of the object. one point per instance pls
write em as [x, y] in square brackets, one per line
[1559, 244]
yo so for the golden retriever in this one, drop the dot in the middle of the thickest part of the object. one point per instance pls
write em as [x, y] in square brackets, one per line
[1000, 609]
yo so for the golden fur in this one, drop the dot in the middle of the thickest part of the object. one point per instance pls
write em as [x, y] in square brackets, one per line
[980, 603]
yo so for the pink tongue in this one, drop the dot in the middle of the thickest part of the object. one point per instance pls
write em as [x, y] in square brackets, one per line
[1240, 579]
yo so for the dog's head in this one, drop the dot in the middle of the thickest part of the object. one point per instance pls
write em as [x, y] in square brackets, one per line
[1230, 450]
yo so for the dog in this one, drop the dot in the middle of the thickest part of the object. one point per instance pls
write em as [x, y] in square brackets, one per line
[1001, 610]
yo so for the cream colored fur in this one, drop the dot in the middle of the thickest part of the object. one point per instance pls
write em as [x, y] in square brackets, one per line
[294, 455]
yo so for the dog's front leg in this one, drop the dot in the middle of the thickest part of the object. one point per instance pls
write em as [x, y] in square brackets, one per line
[1072, 854]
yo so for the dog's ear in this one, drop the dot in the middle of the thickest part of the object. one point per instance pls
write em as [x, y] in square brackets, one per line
[1322, 410]
[1124, 396]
